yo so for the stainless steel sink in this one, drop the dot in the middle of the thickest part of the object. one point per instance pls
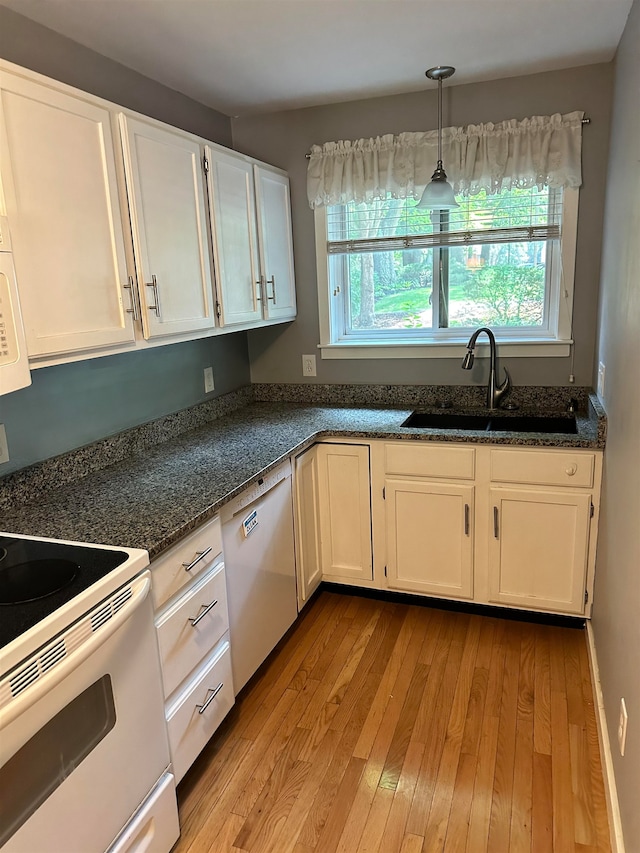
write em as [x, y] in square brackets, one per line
[492, 422]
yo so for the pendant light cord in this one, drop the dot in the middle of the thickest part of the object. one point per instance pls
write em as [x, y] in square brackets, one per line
[440, 123]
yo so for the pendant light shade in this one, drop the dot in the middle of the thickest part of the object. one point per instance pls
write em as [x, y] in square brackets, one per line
[438, 194]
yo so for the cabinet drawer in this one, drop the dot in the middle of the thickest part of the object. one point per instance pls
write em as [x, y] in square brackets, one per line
[430, 460]
[197, 712]
[199, 550]
[190, 628]
[543, 467]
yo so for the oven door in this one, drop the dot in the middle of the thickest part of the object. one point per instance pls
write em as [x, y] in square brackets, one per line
[83, 743]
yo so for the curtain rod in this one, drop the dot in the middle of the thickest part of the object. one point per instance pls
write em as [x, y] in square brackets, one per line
[583, 121]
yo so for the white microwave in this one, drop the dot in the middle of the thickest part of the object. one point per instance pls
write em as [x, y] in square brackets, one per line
[14, 361]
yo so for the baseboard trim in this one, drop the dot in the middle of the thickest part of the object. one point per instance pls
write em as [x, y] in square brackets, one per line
[611, 792]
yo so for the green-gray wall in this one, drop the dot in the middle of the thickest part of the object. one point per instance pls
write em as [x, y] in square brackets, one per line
[71, 405]
[616, 613]
[284, 138]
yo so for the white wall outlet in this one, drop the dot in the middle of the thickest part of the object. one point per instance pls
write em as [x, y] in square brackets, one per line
[601, 380]
[4, 447]
[308, 365]
[622, 726]
[208, 380]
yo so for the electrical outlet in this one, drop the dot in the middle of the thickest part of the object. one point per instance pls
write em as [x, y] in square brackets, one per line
[4, 447]
[601, 380]
[308, 365]
[208, 380]
[622, 726]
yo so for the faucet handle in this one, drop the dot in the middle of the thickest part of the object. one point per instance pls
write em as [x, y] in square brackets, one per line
[502, 390]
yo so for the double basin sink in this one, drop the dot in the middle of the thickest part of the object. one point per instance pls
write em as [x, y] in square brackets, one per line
[492, 422]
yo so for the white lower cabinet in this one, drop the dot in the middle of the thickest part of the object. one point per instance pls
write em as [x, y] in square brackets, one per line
[507, 526]
[344, 511]
[306, 525]
[192, 625]
[199, 708]
[429, 537]
[539, 548]
[187, 629]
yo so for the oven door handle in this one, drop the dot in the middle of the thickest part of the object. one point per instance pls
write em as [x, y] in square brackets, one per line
[140, 590]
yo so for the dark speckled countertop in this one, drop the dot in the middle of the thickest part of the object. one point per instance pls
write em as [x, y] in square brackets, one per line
[157, 494]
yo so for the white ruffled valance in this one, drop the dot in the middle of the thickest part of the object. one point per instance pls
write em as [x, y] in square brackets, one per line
[538, 151]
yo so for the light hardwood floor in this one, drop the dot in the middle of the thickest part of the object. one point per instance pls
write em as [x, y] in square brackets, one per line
[391, 727]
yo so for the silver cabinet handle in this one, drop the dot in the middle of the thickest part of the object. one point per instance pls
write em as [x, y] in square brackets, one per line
[272, 282]
[212, 692]
[466, 519]
[260, 285]
[201, 556]
[133, 309]
[495, 522]
[156, 306]
[207, 609]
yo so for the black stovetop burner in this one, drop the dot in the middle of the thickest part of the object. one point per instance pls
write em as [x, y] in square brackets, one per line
[37, 577]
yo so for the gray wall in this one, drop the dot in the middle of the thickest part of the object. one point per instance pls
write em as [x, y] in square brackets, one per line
[70, 405]
[73, 404]
[284, 138]
[616, 615]
[36, 47]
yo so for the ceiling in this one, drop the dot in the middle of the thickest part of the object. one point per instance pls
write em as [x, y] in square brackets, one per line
[249, 56]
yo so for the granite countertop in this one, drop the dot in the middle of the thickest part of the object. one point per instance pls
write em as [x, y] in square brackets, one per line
[156, 496]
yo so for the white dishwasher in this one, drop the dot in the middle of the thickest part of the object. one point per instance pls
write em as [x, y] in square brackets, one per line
[257, 541]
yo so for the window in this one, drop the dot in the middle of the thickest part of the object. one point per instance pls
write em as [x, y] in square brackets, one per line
[394, 276]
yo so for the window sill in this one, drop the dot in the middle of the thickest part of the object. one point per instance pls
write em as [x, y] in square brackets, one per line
[452, 349]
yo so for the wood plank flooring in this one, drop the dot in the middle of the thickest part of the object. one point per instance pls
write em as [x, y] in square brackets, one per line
[380, 727]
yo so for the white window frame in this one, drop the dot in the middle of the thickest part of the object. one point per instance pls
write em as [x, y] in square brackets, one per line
[555, 341]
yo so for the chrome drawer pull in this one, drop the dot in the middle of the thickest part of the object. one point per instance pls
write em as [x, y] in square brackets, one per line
[201, 556]
[211, 695]
[272, 282]
[207, 609]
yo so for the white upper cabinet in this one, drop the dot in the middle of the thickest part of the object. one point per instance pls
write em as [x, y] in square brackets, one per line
[117, 232]
[58, 170]
[168, 220]
[235, 237]
[252, 243]
[276, 243]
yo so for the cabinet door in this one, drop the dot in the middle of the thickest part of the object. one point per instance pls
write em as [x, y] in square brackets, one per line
[276, 243]
[308, 568]
[168, 220]
[59, 179]
[235, 238]
[429, 537]
[538, 548]
[344, 511]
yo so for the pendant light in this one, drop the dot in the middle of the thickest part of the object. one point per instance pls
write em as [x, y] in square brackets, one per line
[438, 194]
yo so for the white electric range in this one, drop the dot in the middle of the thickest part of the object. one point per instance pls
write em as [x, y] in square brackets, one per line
[84, 757]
